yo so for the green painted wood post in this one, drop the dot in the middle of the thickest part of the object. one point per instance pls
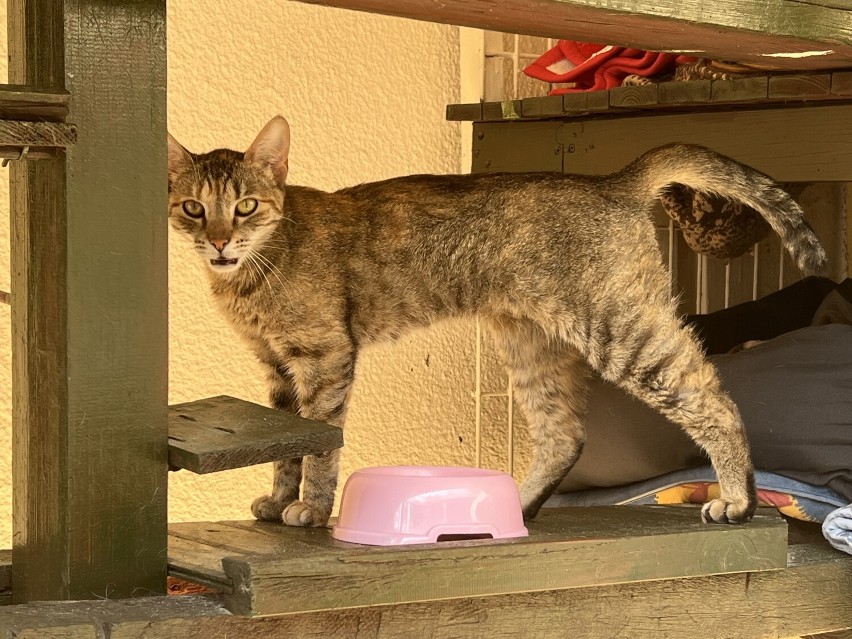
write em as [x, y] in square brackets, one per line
[89, 263]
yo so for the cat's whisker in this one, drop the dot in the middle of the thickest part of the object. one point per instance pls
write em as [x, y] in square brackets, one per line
[253, 259]
[253, 270]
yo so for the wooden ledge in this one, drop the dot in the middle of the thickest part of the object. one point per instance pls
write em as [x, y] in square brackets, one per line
[33, 104]
[810, 595]
[220, 433]
[273, 569]
[750, 92]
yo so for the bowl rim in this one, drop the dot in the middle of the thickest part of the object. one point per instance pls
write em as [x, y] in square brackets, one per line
[430, 472]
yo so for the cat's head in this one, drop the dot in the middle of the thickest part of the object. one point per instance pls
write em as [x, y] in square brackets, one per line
[228, 202]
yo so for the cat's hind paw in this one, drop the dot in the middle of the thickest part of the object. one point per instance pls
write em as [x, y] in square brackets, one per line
[267, 509]
[301, 514]
[723, 511]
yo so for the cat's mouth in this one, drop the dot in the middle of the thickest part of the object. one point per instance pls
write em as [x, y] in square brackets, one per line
[223, 261]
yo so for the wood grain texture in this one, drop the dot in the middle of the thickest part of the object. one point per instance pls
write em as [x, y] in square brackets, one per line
[739, 89]
[277, 570]
[780, 33]
[44, 135]
[692, 92]
[90, 310]
[800, 86]
[738, 93]
[220, 433]
[30, 103]
[633, 96]
[809, 596]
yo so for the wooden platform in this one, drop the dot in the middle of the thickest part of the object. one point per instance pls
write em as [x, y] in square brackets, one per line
[268, 568]
[809, 595]
[220, 433]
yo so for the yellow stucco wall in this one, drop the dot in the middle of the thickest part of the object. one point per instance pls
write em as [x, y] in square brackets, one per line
[365, 98]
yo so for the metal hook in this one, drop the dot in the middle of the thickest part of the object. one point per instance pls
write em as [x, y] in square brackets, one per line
[22, 156]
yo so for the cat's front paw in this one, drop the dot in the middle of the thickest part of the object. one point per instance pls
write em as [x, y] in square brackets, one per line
[267, 509]
[301, 514]
[723, 511]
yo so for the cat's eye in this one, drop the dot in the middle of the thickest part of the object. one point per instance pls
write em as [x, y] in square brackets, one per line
[193, 209]
[246, 206]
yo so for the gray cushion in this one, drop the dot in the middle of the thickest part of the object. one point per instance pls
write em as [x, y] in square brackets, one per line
[795, 396]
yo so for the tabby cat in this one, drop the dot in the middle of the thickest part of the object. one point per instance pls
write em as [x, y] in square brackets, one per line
[565, 269]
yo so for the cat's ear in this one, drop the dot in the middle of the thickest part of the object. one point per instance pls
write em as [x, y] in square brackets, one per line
[271, 148]
[179, 158]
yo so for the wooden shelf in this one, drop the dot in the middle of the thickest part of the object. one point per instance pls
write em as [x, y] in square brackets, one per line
[272, 569]
[791, 34]
[220, 433]
[757, 91]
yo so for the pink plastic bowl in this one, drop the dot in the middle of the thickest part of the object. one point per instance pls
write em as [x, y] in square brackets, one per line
[396, 505]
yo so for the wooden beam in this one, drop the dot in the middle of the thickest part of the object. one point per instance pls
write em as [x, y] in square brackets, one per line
[89, 257]
[803, 144]
[773, 33]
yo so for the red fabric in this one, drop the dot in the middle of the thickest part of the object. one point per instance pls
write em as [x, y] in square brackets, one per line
[597, 66]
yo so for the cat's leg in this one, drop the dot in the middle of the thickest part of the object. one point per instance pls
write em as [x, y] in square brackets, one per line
[550, 385]
[324, 383]
[287, 473]
[660, 362]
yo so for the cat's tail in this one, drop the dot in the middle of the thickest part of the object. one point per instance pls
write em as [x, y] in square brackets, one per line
[704, 170]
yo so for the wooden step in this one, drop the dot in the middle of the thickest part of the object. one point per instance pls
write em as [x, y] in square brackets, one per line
[220, 433]
[270, 569]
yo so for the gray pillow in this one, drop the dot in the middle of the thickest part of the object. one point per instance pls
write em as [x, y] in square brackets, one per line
[794, 393]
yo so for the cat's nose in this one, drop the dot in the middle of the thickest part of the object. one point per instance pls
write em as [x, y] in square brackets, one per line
[219, 245]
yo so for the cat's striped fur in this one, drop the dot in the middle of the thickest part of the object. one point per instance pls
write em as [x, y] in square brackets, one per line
[565, 269]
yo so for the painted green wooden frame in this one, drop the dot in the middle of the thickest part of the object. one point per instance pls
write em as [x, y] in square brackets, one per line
[89, 309]
[799, 34]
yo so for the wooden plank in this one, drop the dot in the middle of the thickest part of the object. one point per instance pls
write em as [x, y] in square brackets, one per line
[806, 144]
[567, 548]
[692, 92]
[96, 619]
[776, 33]
[541, 107]
[30, 103]
[585, 101]
[224, 538]
[739, 89]
[464, 112]
[220, 433]
[800, 87]
[841, 83]
[633, 96]
[809, 596]
[196, 561]
[90, 352]
[540, 151]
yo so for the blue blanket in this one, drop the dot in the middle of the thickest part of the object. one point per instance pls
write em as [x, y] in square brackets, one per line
[837, 528]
